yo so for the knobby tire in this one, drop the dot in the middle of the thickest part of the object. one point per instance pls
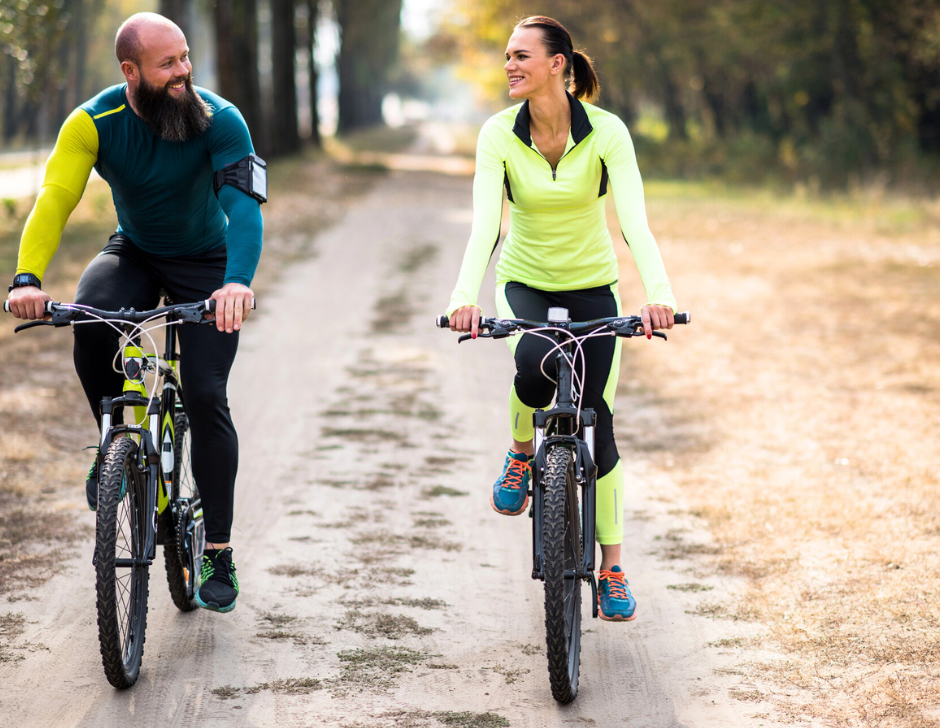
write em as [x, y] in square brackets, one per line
[181, 571]
[121, 591]
[561, 552]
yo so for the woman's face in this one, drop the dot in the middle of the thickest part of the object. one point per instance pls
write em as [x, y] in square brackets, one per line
[528, 66]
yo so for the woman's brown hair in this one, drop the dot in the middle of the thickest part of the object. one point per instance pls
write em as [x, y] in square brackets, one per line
[557, 39]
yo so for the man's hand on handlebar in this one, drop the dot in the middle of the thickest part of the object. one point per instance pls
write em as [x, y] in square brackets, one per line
[28, 302]
[466, 318]
[233, 304]
[656, 317]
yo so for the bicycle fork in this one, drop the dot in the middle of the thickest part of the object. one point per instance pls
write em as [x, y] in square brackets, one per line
[585, 477]
[149, 462]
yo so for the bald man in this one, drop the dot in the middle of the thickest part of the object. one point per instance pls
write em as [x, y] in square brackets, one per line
[188, 224]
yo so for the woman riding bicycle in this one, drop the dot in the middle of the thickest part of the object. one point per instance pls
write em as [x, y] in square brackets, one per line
[557, 156]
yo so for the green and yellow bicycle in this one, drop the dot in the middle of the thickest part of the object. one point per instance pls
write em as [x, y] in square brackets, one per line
[146, 492]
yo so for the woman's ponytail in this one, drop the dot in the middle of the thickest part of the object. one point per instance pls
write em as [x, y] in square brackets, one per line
[586, 84]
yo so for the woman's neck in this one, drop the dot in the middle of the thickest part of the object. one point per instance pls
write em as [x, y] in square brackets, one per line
[550, 113]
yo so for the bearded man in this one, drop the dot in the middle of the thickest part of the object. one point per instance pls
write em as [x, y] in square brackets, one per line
[186, 225]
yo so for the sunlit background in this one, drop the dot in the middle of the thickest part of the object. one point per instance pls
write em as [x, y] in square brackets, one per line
[802, 93]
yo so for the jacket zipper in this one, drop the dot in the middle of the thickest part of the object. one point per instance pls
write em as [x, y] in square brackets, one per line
[555, 168]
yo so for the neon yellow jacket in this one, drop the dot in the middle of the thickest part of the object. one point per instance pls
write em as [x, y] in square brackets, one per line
[558, 238]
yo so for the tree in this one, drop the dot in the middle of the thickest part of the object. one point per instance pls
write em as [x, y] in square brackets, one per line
[368, 50]
[180, 12]
[308, 41]
[236, 35]
[284, 137]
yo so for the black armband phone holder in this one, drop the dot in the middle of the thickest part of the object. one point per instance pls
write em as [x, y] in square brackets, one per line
[249, 175]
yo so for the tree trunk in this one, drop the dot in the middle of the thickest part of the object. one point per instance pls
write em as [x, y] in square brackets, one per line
[368, 49]
[285, 138]
[310, 41]
[236, 31]
[180, 12]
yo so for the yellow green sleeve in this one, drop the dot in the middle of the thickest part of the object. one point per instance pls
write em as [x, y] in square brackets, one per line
[627, 186]
[487, 212]
[67, 171]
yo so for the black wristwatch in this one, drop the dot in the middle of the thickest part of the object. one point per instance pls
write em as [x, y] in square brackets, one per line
[24, 279]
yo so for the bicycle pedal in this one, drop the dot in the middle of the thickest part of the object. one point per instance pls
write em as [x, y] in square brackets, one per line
[594, 601]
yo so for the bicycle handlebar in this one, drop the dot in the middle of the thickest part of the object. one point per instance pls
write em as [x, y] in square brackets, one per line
[65, 313]
[443, 322]
[626, 326]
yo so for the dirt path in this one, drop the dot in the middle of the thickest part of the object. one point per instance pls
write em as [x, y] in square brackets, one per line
[379, 589]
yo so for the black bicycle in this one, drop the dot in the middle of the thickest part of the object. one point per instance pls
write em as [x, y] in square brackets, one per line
[564, 480]
[146, 492]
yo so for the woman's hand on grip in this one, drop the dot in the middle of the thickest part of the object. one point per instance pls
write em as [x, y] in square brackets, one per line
[466, 318]
[656, 317]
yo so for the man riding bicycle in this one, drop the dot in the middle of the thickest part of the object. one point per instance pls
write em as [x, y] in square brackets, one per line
[187, 189]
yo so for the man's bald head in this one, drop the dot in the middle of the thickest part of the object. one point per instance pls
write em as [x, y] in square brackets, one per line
[133, 34]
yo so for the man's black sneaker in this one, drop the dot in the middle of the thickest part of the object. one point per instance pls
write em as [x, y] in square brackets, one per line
[91, 485]
[218, 585]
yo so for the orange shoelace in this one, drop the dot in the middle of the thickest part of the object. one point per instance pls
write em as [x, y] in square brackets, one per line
[615, 582]
[515, 472]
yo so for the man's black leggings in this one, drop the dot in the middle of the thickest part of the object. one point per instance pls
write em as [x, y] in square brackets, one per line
[123, 275]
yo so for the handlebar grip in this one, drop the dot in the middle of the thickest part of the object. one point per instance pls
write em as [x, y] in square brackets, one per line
[683, 318]
[210, 304]
[442, 322]
[47, 307]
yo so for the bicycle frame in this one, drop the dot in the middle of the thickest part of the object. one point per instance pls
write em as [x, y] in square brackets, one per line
[559, 427]
[159, 416]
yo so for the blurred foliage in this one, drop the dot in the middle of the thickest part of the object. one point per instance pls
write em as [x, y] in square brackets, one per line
[54, 54]
[841, 91]
[30, 32]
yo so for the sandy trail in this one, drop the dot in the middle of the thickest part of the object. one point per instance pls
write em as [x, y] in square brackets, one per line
[379, 588]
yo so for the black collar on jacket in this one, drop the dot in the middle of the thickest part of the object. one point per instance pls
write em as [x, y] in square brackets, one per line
[580, 125]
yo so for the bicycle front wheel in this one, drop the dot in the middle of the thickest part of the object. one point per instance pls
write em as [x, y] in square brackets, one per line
[561, 559]
[121, 570]
[182, 550]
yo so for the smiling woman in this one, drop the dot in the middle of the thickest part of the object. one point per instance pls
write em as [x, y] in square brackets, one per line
[557, 155]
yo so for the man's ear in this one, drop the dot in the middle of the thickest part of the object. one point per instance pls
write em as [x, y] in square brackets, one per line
[130, 70]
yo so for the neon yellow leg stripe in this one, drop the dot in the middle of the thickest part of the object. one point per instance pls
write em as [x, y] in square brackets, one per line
[520, 418]
[520, 415]
[609, 513]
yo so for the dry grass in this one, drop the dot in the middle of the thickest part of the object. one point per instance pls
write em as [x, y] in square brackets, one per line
[800, 415]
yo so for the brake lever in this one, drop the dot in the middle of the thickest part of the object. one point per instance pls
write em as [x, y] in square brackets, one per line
[638, 331]
[30, 324]
[491, 334]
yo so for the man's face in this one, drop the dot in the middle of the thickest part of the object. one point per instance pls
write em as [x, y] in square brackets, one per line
[164, 59]
[164, 95]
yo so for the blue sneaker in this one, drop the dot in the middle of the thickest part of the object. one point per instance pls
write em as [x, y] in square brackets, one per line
[511, 490]
[615, 602]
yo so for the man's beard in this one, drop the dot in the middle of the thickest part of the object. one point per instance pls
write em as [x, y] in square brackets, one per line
[171, 119]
